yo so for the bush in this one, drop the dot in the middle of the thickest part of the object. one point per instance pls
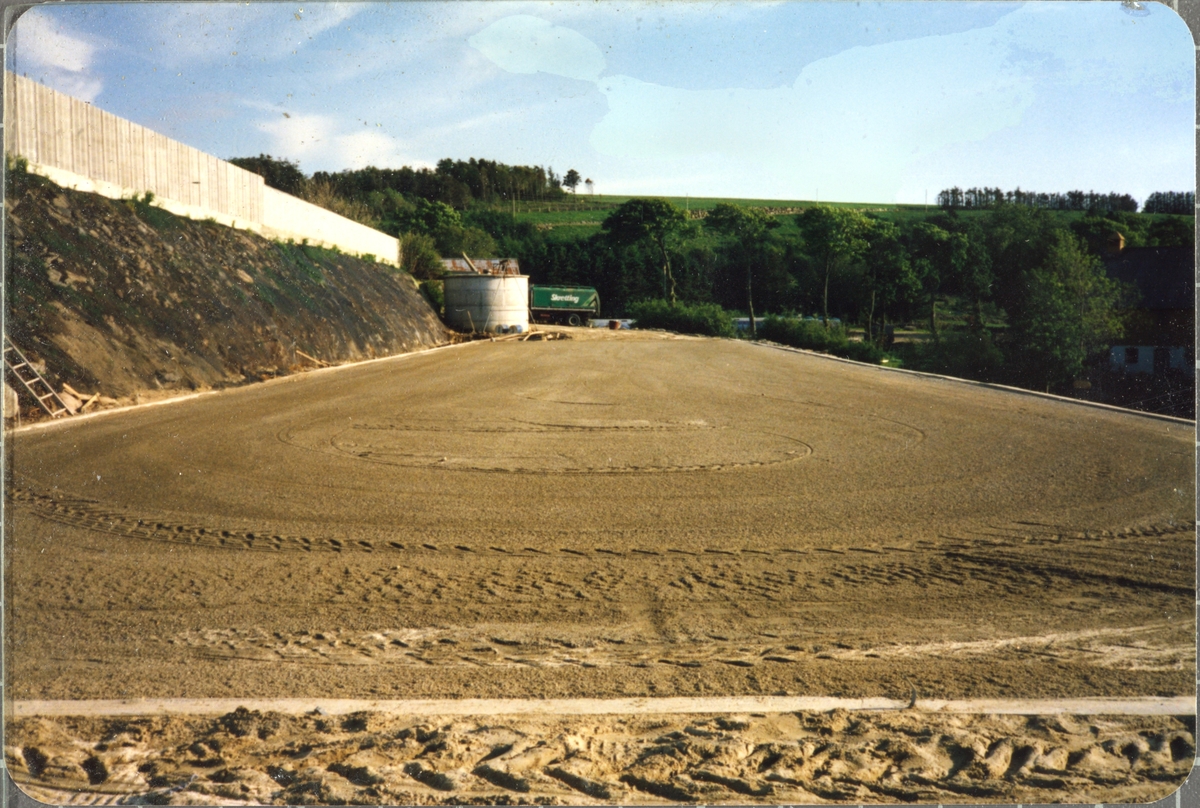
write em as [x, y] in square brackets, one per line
[453, 241]
[419, 257]
[324, 195]
[435, 294]
[965, 354]
[144, 208]
[814, 336]
[705, 319]
[861, 352]
[807, 334]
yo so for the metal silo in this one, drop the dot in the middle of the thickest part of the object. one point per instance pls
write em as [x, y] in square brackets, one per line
[494, 303]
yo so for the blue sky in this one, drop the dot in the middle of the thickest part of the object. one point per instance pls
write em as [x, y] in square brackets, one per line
[866, 102]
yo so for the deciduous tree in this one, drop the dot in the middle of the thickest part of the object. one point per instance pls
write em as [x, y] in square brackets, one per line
[429, 217]
[1068, 310]
[889, 273]
[748, 229]
[833, 236]
[938, 256]
[654, 221]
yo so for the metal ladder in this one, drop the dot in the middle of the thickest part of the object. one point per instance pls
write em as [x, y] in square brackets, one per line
[38, 387]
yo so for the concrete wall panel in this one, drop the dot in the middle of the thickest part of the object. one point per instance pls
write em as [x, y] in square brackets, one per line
[51, 129]
[286, 217]
[84, 147]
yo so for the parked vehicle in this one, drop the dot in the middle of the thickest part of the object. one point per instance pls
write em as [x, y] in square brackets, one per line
[569, 305]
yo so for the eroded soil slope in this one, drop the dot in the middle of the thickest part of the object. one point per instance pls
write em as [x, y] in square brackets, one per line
[122, 297]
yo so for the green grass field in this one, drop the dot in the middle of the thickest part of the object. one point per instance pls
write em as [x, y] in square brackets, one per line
[572, 207]
[578, 217]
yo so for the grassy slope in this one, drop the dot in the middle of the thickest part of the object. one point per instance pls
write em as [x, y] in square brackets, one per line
[580, 217]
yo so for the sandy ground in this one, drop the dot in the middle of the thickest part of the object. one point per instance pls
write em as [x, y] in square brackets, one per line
[614, 515]
[248, 756]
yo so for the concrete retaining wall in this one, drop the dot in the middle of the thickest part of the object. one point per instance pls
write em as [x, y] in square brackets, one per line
[51, 129]
[79, 146]
[285, 216]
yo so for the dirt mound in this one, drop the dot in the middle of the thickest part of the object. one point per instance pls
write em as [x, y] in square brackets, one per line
[122, 298]
[377, 758]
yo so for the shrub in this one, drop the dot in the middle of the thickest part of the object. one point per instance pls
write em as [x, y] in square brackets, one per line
[455, 240]
[706, 319]
[323, 194]
[144, 208]
[16, 169]
[965, 354]
[435, 294]
[814, 336]
[419, 257]
[861, 352]
[807, 334]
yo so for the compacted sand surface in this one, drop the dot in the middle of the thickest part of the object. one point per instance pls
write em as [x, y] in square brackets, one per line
[610, 516]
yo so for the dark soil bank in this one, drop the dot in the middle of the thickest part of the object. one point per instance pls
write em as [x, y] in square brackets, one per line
[120, 297]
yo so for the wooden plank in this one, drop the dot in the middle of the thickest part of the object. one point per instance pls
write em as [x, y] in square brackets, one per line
[312, 359]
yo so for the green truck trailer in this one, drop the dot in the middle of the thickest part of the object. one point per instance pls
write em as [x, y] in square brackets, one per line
[563, 304]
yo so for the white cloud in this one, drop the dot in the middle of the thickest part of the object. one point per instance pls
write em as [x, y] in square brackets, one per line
[368, 148]
[299, 136]
[40, 42]
[211, 32]
[318, 143]
[44, 50]
[525, 44]
[83, 87]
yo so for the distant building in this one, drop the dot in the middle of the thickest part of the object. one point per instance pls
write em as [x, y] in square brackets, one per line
[1153, 368]
[1160, 328]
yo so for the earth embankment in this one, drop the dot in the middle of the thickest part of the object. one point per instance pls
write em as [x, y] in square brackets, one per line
[123, 298]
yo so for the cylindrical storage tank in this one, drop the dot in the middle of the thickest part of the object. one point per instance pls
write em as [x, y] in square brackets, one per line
[495, 303]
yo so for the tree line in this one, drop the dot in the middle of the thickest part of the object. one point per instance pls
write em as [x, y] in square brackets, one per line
[383, 197]
[1178, 202]
[1173, 202]
[1026, 288]
[975, 198]
[457, 183]
[421, 207]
